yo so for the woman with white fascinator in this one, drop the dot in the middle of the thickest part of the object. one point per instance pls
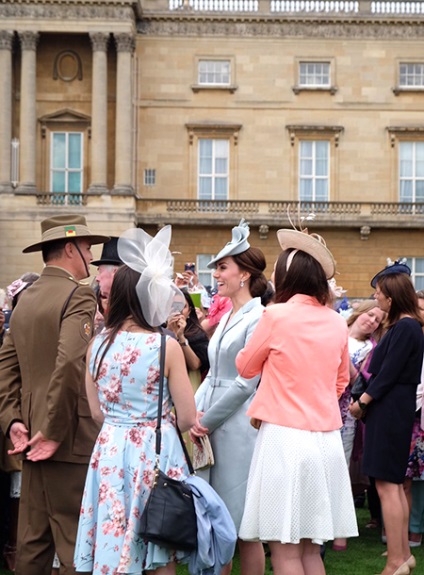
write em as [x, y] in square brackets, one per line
[122, 382]
[223, 397]
[298, 493]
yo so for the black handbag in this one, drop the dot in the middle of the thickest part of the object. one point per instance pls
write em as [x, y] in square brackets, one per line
[169, 517]
[359, 386]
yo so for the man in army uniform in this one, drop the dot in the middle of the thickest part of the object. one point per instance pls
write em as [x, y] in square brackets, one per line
[43, 405]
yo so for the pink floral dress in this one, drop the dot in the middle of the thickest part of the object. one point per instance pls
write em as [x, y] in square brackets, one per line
[120, 473]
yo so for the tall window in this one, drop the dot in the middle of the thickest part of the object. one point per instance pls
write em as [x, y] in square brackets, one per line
[314, 170]
[314, 74]
[66, 173]
[411, 172]
[214, 72]
[204, 274]
[213, 170]
[417, 271]
[411, 75]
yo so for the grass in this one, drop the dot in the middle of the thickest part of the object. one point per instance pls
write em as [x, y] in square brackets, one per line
[363, 556]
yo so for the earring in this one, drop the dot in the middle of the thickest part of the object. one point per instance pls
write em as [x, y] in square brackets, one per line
[242, 283]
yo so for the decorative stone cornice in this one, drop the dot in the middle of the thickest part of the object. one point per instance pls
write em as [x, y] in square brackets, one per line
[65, 12]
[124, 42]
[6, 40]
[357, 28]
[29, 40]
[99, 41]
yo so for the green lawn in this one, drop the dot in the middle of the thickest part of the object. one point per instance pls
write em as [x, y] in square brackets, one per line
[363, 556]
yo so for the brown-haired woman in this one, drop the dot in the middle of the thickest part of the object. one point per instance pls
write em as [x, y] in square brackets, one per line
[389, 403]
[223, 397]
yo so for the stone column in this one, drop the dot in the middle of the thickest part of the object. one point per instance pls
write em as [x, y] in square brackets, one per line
[99, 42]
[28, 115]
[124, 116]
[6, 39]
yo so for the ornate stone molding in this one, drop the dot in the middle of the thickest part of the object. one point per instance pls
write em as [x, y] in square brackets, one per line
[124, 42]
[29, 40]
[99, 41]
[65, 12]
[6, 40]
[297, 130]
[372, 28]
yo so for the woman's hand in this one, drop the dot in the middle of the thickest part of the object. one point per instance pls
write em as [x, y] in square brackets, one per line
[355, 410]
[197, 429]
[177, 323]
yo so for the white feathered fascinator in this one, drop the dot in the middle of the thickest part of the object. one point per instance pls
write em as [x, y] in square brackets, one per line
[156, 291]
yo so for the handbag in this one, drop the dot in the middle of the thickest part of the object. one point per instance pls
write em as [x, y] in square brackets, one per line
[169, 517]
[203, 454]
[359, 386]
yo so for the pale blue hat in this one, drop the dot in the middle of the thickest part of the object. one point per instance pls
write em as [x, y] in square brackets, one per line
[238, 244]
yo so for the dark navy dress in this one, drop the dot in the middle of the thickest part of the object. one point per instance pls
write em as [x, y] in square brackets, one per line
[396, 371]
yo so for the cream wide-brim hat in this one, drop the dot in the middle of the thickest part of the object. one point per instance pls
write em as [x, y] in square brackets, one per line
[312, 244]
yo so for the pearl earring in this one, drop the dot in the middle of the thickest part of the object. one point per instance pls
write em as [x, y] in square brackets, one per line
[242, 283]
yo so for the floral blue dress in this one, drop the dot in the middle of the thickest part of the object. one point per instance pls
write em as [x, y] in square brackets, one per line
[120, 472]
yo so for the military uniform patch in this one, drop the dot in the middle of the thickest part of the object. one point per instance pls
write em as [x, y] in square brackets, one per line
[87, 327]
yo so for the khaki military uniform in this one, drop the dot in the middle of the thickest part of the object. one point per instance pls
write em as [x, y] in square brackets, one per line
[42, 372]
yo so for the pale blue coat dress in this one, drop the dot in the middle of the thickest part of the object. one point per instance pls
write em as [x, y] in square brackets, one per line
[224, 396]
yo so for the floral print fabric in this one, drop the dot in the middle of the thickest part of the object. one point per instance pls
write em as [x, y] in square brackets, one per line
[120, 472]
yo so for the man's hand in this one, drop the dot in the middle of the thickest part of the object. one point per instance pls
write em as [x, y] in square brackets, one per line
[19, 436]
[41, 447]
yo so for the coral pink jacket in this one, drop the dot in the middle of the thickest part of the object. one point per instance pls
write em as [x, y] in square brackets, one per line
[301, 348]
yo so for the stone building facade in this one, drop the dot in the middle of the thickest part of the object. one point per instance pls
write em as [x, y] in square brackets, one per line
[200, 112]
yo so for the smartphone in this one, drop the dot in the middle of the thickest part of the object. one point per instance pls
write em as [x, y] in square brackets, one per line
[190, 267]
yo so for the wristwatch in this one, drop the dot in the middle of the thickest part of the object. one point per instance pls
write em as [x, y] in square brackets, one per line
[362, 405]
[184, 343]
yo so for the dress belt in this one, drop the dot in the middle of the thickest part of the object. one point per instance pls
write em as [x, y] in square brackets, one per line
[219, 382]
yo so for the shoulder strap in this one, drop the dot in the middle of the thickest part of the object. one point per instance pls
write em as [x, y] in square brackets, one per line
[65, 305]
[159, 416]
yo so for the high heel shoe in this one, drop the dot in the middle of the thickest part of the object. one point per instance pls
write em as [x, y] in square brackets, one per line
[412, 563]
[403, 569]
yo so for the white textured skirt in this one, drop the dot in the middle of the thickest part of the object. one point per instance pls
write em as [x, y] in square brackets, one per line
[298, 488]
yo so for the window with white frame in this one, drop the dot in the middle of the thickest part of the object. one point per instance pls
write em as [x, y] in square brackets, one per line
[66, 168]
[213, 168]
[411, 75]
[214, 72]
[314, 74]
[411, 172]
[417, 271]
[149, 177]
[314, 170]
[205, 274]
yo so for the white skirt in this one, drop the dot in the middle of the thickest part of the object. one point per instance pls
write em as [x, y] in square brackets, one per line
[298, 488]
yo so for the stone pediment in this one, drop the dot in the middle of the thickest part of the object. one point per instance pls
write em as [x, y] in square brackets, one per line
[64, 116]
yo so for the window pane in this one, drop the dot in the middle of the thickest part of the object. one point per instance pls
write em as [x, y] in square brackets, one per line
[74, 182]
[205, 188]
[58, 182]
[306, 149]
[305, 190]
[419, 265]
[75, 151]
[59, 151]
[321, 190]
[221, 166]
[221, 188]
[322, 150]
[214, 72]
[405, 191]
[321, 167]
[419, 191]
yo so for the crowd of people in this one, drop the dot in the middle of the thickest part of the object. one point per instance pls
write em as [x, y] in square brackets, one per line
[266, 370]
